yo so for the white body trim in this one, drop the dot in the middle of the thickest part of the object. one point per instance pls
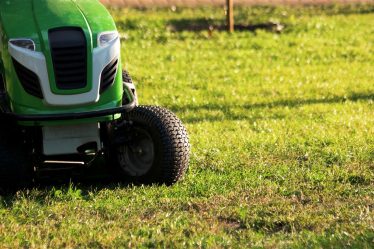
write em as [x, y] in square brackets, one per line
[63, 140]
[36, 62]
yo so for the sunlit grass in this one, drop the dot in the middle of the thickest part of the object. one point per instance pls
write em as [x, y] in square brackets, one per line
[282, 134]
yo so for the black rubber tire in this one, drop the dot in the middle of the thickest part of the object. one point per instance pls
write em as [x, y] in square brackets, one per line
[128, 83]
[171, 145]
[15, 166]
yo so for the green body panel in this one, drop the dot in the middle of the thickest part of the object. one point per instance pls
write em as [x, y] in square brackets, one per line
[32, 19]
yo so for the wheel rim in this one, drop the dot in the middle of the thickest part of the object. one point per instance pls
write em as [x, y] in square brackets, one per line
[137, 157]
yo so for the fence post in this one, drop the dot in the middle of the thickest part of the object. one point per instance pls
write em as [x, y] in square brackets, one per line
[230, 15]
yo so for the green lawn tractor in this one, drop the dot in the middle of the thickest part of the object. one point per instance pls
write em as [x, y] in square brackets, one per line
[64, 99]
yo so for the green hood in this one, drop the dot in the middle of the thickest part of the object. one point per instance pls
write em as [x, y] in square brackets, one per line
[33, 18]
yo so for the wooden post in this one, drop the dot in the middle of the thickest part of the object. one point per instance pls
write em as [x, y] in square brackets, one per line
[230, 15]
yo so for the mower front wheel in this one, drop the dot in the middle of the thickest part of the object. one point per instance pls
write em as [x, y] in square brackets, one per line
[151, 146]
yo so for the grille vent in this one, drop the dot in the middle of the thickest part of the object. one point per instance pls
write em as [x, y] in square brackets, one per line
[69, 56]
[29, 80]
[108, 75]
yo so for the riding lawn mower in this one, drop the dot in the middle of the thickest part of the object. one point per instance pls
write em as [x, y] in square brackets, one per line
[65, 100]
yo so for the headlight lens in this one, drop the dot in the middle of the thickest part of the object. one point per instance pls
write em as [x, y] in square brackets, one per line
[23, 43]
[105, 38]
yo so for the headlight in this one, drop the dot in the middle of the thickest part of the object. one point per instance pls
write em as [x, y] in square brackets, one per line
[106, 37]
[23, 43]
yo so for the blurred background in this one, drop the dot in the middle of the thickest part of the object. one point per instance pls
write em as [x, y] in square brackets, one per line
[165, 3]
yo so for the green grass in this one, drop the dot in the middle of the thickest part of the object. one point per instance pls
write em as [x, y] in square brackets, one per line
[282, 134]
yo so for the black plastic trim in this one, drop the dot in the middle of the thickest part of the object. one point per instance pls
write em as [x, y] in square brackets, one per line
[69, 57]
[29, 80]
[108, 75]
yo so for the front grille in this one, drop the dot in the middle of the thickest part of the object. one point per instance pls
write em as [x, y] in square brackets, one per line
[69, 56]
[108, 75]
[29, 80]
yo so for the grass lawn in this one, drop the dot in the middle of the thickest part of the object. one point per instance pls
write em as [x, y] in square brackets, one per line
[282, 134]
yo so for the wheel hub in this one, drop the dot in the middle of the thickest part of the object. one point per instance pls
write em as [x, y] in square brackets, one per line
[137, 157]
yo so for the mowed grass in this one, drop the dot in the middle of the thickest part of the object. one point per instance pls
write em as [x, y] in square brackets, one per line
[282, 133]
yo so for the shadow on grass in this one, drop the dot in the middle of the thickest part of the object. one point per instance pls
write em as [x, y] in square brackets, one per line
[252, 18]
[202, 24]
[292, 103]
[73, 183]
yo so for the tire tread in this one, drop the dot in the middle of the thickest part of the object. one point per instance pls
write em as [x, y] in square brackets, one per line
[174, 140]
